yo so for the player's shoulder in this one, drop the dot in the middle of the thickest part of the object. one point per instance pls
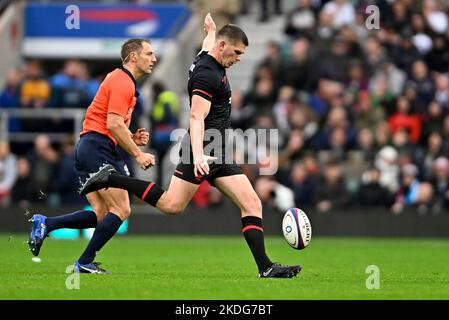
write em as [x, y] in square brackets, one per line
[206, 62]
[118, 79]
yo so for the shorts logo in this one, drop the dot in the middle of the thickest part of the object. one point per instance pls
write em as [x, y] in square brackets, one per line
[125, 167]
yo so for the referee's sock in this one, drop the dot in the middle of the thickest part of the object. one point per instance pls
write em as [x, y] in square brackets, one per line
[81, 219]
[146, 190]
[104, 231]
[253, 232]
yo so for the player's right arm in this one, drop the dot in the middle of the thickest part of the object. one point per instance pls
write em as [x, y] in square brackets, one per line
[119, 130]
[119, 98]
[209, 28]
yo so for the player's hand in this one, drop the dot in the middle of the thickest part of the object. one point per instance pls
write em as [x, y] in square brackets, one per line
[145, 160]
[201, 165]
[209, 24]
[141, 137]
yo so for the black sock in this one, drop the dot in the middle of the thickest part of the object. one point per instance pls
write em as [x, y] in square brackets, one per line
[81, 219]
[104, 231]
[146, 190]
[253, 232]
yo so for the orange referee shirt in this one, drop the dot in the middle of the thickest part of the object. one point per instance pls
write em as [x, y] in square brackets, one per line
[117, 94]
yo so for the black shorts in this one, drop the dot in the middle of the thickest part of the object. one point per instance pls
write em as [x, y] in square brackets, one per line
[94, 150]
[185, 172]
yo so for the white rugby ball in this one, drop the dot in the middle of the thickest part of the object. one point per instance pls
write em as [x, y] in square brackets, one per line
[296, 228]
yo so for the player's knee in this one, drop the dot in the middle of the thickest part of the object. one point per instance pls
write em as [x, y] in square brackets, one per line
[100, 211]
[252, 206]
[122, 211]
[174, 210]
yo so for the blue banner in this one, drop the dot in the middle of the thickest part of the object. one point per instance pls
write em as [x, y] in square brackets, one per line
[105, 20]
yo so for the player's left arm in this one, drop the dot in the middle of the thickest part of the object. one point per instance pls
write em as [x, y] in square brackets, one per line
[210, 28]
[199, 111]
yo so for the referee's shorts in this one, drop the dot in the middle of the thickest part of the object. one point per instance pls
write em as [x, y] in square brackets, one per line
[92, 151]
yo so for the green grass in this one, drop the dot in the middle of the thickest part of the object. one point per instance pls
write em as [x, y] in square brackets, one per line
[203, 267]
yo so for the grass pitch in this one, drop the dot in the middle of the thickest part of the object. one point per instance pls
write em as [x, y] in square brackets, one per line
[206, 267]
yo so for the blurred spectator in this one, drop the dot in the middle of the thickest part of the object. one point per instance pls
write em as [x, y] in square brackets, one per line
[67, 177]
[273, 194]
[434, 149]
[394, 77]
[297, 71]
[70, 87]
[432, 121]
[35, 93]
[325, 29]
[341, 11]
[335, 64]
[381, 95]
[404, 118]
[412, 191]
[25, 189]
[365, 116]
[404, 53]
[283, 107]
[44, 164]
[8, 172]
[35, 89]
[420, 38]
[401, 141]
[436, 18]
[265, 10]
[442, 90]
[262, 96]
[302, 184]
[337, 118]
[382, 135]
[422, 84]
[366, 144]
[9, 97]
[374, 54]
[301, 20]
[386, 162]
[400, 19]
[273, 60]
[303, 118]
[241, 114]
[438, 58]
[330, 192]
[164, 118]
[372, 193]
[320, 100]
[440, 183]
[356, 80]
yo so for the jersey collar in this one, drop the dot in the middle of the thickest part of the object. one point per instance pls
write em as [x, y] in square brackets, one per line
[136, 93]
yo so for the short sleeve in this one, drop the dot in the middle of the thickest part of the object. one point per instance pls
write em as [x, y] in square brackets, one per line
[204, 83]
[120, 96]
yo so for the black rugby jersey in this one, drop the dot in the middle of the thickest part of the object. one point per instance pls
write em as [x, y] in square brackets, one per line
[207, 78]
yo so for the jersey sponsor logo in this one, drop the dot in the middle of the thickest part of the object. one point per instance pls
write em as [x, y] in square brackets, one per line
[192, 66]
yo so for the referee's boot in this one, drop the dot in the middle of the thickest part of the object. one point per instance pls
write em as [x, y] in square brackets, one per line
[98, 180]
[279, 271]
[38, 233]
[89, 268]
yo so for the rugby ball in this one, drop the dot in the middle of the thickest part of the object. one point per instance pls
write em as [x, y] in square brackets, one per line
[296, 228]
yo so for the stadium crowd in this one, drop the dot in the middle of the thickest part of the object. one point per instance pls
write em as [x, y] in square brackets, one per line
[363, 115]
